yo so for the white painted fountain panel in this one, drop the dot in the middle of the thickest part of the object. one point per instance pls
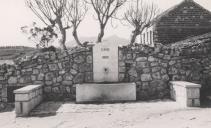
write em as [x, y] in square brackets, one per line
[105, 62]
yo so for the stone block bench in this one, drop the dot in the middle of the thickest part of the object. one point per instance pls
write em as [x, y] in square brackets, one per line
[27, 98]
[185, 93]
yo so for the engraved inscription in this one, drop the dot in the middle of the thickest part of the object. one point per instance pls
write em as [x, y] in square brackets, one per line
[105, 49]
[105, 57]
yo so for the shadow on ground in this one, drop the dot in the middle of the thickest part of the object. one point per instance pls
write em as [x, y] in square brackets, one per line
[206, 102]
[46, 109]
[7, 107]
[52, 108]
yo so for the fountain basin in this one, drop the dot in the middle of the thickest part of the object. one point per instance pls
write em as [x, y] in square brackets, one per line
[105, 92]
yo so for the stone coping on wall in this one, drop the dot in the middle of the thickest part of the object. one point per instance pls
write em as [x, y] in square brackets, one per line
[185, 84]
[27, 89]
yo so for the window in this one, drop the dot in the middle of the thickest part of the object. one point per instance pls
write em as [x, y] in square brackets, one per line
[147, 37]
[141, 38]
[144, 38]
[151, 37]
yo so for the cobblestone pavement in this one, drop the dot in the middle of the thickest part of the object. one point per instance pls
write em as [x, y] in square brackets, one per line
[159, 114]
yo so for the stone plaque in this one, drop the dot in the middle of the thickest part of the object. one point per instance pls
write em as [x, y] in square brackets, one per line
[105, 62]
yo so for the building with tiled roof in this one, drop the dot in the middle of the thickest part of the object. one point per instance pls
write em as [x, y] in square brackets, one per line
[185, 20]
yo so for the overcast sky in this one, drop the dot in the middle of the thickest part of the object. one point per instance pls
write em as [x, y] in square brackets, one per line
[14, 14]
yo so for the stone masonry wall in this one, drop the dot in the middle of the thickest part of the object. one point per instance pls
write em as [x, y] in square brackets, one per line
[153, 68]
[5, 72]
[57, 71]
[150, 68]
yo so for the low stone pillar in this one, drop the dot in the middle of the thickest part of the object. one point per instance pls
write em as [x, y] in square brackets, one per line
[185, 93]
[27, 98]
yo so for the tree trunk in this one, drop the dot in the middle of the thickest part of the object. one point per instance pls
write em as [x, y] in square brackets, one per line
[64, 36]
[63, 40]
[134, 36]
[101, 34]
[75, 35]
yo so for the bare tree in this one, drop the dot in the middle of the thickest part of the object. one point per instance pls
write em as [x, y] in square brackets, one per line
[56, 13]
[76, 12]
[139, 16]
[105, 10]
[42, 37]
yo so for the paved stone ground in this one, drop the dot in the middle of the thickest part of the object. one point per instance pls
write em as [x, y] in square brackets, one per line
[154, 114]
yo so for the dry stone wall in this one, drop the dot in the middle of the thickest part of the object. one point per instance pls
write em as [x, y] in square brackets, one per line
[153, 68]
[150, 68]
[57, 71]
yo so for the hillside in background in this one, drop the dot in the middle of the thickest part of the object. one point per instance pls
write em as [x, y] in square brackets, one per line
[12, 52]
[113, 38]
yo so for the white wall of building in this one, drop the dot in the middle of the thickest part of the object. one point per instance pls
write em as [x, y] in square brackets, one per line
[146, 37]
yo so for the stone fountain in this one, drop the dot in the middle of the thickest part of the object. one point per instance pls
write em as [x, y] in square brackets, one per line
[106, 87]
